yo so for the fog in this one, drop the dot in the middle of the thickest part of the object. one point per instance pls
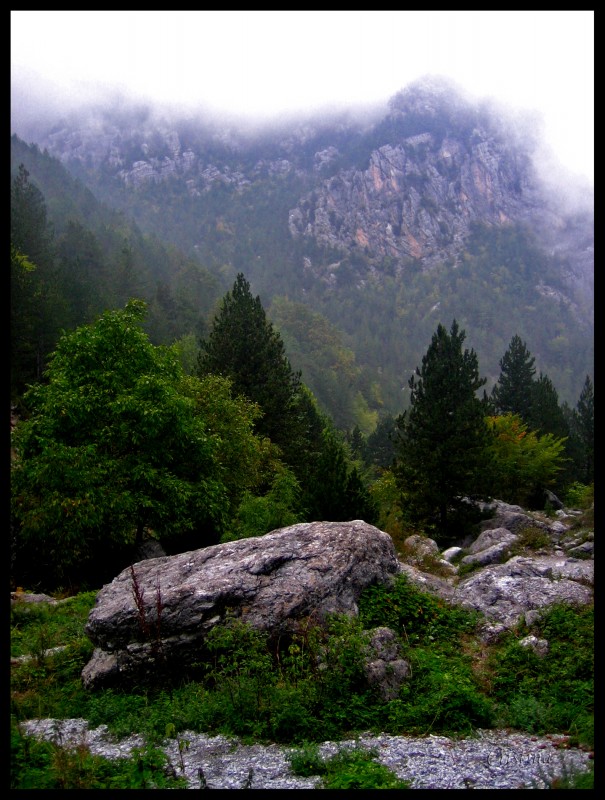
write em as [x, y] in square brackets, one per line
[267, 66]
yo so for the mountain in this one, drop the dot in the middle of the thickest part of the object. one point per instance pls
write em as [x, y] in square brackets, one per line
[361, 233]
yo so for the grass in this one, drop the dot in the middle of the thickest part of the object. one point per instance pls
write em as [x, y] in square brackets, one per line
[309, 688]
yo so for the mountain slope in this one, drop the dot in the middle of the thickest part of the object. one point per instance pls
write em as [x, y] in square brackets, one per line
[386, 225]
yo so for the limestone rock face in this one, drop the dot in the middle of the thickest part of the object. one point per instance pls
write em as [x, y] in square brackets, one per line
[306, 570]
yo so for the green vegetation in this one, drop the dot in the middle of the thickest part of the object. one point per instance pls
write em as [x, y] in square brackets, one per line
[115, 445]
[126, 430]
[305, 688]
[522, 463]
[442, 452]
[349, 769]
[45, 765]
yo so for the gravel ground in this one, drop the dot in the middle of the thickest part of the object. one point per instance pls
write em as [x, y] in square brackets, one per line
[488, 760]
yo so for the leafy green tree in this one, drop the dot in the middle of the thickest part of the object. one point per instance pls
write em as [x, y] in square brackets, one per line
[248, 462]
[116, 444]
[260, 514]
[442, 438]
[523, 463]
[513, 390]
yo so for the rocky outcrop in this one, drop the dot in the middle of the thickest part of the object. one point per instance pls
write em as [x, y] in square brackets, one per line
[406, 186]
[505, 593]
[506, 587]
[161, 610]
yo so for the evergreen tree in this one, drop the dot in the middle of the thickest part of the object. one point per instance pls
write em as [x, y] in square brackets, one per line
[37, 308]
[513, 390]
[337, 492]
[380, 447]
[31, 232]
[244, 346]
[83, 274]
[545, 414]
[584, 427]
[443, 438]
[357, 443]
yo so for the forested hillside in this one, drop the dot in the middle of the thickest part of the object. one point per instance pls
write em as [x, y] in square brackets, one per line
[384, 226]
[326, 322]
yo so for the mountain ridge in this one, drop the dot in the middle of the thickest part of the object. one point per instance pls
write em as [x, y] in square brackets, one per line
[336, 211]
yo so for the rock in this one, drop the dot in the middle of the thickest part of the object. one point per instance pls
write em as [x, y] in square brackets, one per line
[29, 597]
[451, 553]
[539, 646]
[384, 666]
[553, 500]
[421, 546]
[490, 537]
[306, 570]
[505, 592]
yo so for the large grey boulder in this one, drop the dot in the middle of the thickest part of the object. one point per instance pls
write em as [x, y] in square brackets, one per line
[159, 611]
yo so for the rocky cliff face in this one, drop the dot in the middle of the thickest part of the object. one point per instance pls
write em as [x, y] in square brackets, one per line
[405, 187]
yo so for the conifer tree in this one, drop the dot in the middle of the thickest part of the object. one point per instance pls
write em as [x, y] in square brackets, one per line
[37, 309]
[244, 346]
[513, 390]
[584, 427]
[380, 447]
[337, 491]
[546, 415]
[443, 438]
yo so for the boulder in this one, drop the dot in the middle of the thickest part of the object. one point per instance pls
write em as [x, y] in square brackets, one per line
[159, 611]
[503, 593]
[385, 669]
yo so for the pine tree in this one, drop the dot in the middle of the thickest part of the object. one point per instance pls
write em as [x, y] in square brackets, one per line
[585, 430]
[513, 390]
[545, 414]
[443, 438]
[244, 346]
[37, 308]
[337, 491]
[380, 447]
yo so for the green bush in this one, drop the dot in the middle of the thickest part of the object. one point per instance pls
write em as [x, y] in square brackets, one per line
[348, 769]
[416, 616]
[553, 693]
[44, 765]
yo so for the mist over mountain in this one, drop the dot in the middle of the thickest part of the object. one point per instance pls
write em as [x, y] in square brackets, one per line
[361, 230]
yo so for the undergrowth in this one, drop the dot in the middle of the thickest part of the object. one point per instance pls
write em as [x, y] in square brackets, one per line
[309, 686]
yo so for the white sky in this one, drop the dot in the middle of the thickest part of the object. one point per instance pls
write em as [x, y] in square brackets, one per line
[267, 63]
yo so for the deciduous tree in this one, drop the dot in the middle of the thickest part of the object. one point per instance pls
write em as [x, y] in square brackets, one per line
[119, 441]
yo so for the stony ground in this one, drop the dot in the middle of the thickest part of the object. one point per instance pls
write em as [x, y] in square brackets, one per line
[488, 760]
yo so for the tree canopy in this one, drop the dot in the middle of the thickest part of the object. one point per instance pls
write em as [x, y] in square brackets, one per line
[513, 390]
[120, 441]
[244, 346]
[442, 438]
